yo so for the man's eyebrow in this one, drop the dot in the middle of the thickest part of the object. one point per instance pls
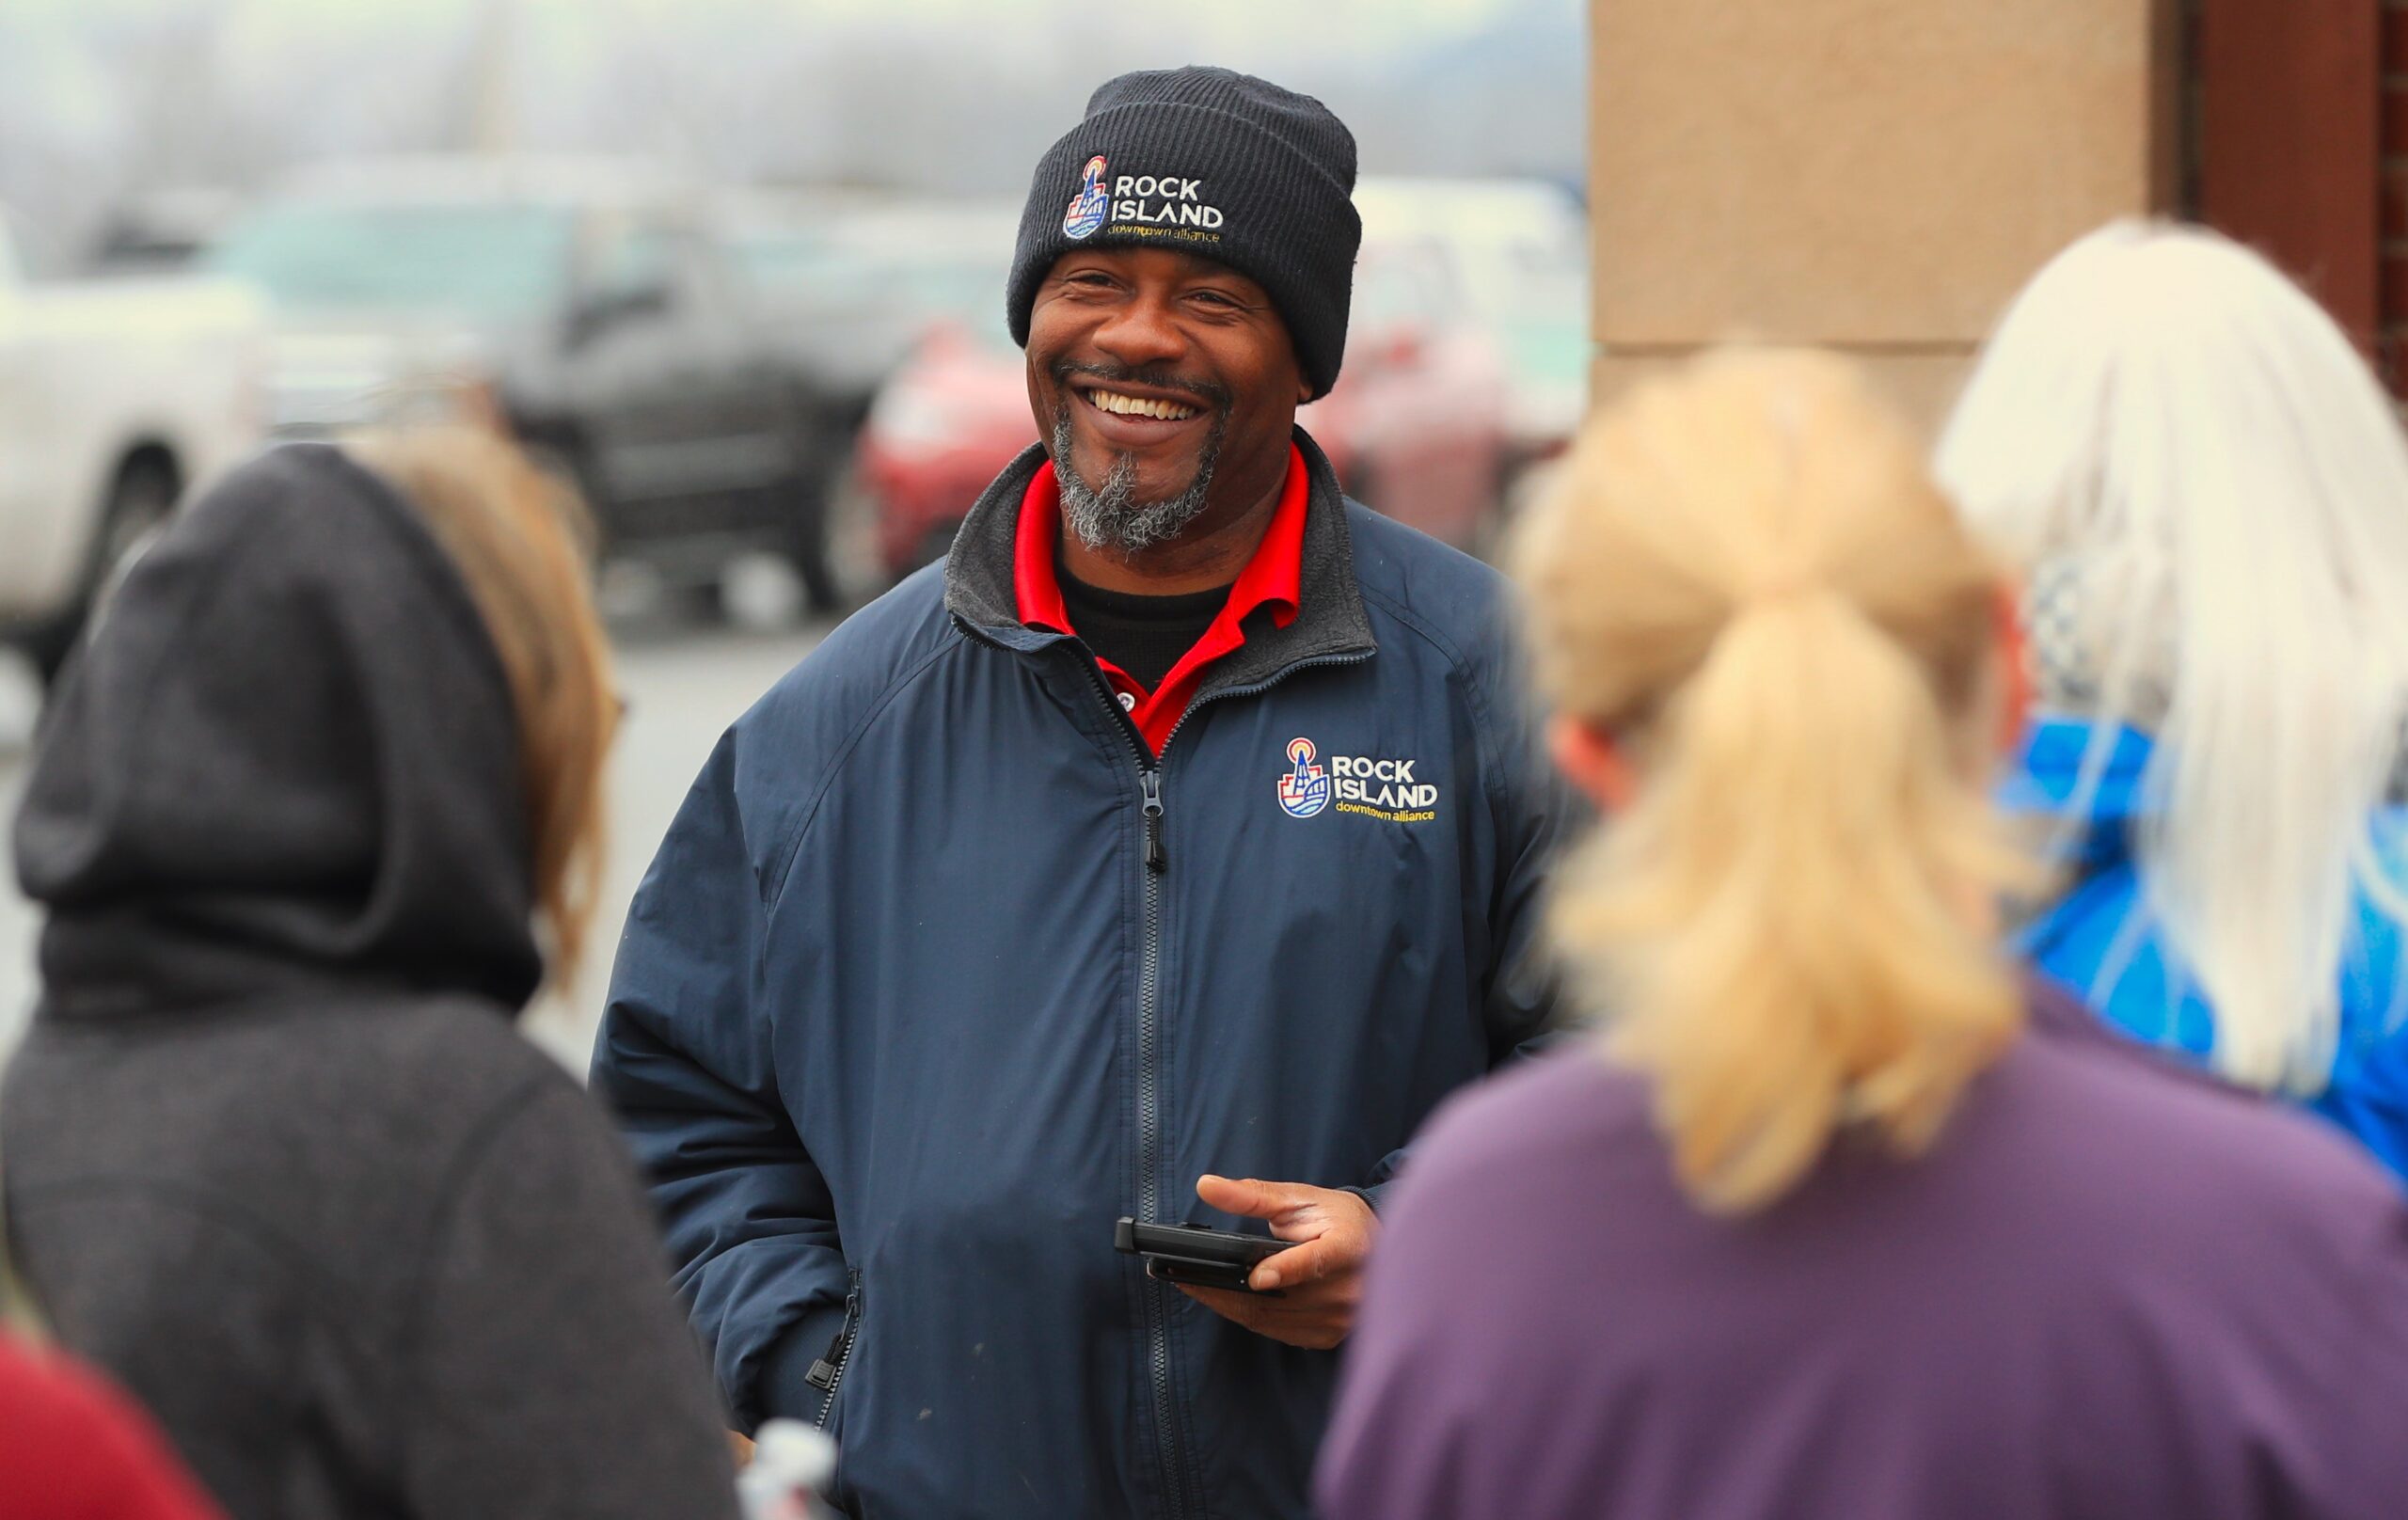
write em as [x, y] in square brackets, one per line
[1223, 278]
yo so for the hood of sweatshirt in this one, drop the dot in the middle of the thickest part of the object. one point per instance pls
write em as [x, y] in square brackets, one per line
[287, 763]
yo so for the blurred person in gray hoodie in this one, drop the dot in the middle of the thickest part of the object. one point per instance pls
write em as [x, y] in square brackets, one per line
[277, 1158]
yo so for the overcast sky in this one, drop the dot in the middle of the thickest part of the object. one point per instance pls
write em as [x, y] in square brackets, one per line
[100, 99]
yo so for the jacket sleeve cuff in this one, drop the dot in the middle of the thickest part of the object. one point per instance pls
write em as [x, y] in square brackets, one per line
[781, 1384]
[1370, 1195]
[1383, 1177]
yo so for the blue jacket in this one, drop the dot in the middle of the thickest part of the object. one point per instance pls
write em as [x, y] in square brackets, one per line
[906, 1014]
[2078, 940]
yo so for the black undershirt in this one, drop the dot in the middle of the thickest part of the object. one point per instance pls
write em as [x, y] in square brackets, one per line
[1142, 635]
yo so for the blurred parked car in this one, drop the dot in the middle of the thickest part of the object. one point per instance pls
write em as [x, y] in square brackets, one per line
[113, 398]
[862, 278]
[163, 232]
[822, 264]
[951, 418]
[1415, 426]
[584, 305]
[1515, 261]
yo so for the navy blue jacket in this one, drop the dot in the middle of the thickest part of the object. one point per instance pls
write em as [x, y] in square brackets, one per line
[938, 973]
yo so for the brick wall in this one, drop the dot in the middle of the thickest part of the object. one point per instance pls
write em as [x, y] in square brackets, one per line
[2391, 334]
[2295, 120]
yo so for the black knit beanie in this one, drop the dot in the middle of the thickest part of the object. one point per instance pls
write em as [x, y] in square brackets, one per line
[1212, 163]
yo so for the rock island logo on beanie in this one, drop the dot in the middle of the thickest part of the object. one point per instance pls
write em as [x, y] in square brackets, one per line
[1224, 166]
[1089, 207]
[1143, 203]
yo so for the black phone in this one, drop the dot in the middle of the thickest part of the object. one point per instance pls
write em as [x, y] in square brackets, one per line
[1197, 1254]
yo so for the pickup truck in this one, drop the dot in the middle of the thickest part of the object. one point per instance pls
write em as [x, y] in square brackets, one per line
[588, 308]
[115, 396]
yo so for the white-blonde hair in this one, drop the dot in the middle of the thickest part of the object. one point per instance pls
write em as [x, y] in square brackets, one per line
[1745, 576]
[2161, 408]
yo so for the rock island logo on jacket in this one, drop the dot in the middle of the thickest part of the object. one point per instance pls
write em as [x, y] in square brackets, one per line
[1372, 786]
[1088, 207]
[1304, 788]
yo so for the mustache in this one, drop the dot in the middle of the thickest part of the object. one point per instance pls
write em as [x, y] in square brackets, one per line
[1207, 393]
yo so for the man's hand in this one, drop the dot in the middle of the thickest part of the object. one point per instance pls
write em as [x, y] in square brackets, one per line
[1322, 1275]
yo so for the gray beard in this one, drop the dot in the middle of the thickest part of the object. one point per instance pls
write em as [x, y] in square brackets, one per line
[1107, 516]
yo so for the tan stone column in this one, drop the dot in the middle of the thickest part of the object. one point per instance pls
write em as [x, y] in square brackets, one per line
[1873, 176]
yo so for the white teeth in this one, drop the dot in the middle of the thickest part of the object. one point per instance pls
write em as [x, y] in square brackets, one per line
[1167, 411]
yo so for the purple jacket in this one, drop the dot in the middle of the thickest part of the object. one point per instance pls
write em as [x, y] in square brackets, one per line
[2111, 1290]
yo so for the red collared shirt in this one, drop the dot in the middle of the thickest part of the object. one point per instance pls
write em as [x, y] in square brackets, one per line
[1273, 579]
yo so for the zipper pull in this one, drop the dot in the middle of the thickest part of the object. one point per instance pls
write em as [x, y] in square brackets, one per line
[823, 1371]
[1157, 858]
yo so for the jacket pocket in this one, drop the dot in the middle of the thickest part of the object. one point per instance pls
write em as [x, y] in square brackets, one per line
[827, 1374]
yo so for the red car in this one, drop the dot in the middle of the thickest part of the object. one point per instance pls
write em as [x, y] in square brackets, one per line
[944, 426]
[1416, 426]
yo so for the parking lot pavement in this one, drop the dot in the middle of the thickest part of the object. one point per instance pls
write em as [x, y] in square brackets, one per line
[682, 692]
[682, 689]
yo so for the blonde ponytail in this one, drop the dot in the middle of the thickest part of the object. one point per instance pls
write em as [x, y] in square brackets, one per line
[1747, 580]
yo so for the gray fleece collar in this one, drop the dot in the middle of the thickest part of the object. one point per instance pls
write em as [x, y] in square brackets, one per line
[1329, 619]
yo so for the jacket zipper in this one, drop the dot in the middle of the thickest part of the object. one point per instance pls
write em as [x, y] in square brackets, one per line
[1149, 781]
[827, 1372]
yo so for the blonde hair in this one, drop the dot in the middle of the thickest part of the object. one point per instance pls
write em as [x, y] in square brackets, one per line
[2161, 410]
[1746, 577]
[515, 534]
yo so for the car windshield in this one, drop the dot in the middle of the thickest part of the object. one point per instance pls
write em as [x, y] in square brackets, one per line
[480, 261]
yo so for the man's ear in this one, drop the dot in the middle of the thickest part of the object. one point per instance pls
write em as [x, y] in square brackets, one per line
[1592, 760]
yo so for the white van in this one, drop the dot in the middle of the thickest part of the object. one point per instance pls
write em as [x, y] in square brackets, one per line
[115, 396]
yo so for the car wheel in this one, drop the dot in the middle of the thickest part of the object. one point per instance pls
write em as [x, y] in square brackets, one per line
[854, 564]
[807, 541]
[138, 506]
[697, 603]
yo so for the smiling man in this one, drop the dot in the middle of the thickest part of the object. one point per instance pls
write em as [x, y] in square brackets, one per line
[1169, 853]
